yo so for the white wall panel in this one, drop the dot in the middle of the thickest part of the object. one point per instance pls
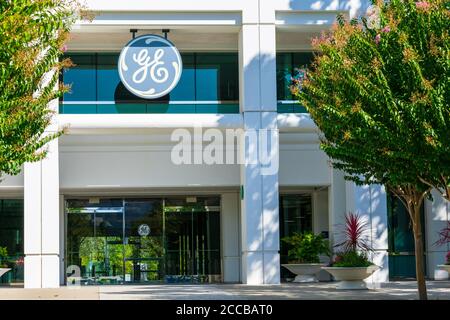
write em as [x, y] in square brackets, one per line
[139, 169]
[307, 167]
[11, 182]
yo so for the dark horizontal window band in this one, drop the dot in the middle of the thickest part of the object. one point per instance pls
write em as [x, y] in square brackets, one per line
[207, 77]
[210, 77]
[147, 108]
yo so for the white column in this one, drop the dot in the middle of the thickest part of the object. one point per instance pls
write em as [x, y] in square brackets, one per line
[370, 202]
[437, 213]
[337, 207]
[230, 240]
[41, 219]
[259, 206]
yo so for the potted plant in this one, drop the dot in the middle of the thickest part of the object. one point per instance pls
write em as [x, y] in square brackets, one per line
[3, 261]
[351, 264]
[304, 255]
[444, 237]
[446, 265]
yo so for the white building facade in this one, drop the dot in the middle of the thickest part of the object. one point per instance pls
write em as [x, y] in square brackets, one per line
[110, 181]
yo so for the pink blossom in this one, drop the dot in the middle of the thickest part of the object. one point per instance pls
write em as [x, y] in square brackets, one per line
[386, 29]
[377, 38]
[63, 48]
[422, 5]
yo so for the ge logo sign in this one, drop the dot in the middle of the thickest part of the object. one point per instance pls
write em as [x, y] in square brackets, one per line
[150, 66]
[144, 230]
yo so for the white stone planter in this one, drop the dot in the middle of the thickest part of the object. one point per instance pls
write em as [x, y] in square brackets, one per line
[305, 272]
[351, 278]
[3, 271]
[445, 267]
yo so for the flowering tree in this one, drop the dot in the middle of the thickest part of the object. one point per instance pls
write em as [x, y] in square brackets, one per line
[379, 92]
[32, 37]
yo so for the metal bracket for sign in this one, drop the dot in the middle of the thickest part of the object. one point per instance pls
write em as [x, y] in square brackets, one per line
[134, 31]
[165, 31]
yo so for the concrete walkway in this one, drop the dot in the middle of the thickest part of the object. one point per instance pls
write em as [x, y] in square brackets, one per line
[437, 290]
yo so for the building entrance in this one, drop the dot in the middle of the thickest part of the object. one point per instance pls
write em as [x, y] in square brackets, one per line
[171, 240]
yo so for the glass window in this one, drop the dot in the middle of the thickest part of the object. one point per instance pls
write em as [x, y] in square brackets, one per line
[284, 74]
[295, 217]
[81, 78]
[287, 62]
[185, 89]
[176, 239]
[206, 77]
[216, 77]
[107, 77]
[11, 238]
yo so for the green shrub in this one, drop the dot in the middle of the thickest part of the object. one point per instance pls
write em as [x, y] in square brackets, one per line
[351, 258]
[306, 247]
[3, 257]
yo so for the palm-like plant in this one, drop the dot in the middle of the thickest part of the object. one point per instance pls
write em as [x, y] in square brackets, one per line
[355, 234]
[444, 235]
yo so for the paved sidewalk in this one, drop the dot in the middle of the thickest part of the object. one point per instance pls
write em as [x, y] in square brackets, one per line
[437, 290]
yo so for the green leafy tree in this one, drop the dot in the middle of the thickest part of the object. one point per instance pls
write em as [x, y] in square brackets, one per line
[32, 37]
[379, 92]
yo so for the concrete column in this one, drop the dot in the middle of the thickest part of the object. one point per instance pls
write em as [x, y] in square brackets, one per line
[259, 174]
[437, 213]
[320, 211]
[337, 207]
[230, 237]
[41, 219]
[370, 202]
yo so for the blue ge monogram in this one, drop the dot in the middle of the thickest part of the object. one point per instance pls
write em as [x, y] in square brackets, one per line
[150, 66]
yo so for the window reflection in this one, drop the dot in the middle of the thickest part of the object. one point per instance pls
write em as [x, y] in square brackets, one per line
[286, 64]
[295, 217]
[206, 77]
[11, 239]
[169, 240]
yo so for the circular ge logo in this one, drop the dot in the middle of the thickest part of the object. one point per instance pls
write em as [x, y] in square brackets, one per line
[150, 66]
[144, 230]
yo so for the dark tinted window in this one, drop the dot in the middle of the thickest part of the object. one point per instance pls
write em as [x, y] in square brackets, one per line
[96, 86]
[287, 62]
[11, 239]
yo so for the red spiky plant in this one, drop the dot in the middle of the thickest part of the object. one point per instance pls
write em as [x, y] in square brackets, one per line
[444, 235]
[355, 234]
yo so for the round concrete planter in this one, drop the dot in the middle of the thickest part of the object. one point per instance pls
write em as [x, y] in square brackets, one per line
[3, 271]
[351, 278]
[305, 272]
[445, 267]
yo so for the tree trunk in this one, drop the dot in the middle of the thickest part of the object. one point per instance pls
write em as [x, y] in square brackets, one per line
[413, 200]
[420, 275]
[418, 246]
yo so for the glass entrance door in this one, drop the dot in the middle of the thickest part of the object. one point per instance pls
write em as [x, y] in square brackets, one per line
[144, 250]
[169, 240]
[95, 240]
[402, 256]
[192, 233]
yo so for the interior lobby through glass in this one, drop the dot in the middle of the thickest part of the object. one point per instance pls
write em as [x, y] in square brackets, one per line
[171, 240]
